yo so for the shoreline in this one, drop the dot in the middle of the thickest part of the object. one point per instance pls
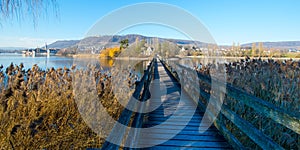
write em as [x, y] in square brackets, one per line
[116, 58]
[132, 58]
[85, 56]
[230, 57]
[147, 58]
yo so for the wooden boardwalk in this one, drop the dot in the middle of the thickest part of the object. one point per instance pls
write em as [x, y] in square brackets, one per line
[175, 123]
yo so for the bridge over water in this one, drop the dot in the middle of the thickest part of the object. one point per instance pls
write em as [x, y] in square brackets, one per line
[170, 118]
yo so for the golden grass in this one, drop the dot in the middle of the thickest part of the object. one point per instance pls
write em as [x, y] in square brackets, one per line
[292, 55]
[277, 82]
[38, 109]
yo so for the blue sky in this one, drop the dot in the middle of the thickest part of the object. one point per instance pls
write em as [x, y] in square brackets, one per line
[227, 20]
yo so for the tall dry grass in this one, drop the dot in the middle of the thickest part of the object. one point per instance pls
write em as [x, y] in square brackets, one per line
[38, 108]
[275, 81]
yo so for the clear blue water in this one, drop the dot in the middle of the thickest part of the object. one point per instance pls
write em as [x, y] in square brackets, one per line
[59, 62]
[43, 62]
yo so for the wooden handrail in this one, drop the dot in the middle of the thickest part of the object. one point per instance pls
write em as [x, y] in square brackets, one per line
[287, 119]
[279, 115]
[126, 114]
[262, 106]
[134, 134]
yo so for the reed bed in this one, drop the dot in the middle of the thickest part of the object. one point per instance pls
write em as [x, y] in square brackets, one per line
[38, 109]
[275, 81]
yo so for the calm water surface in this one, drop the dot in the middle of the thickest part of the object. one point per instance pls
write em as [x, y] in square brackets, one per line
[43, 62]
[59, 62]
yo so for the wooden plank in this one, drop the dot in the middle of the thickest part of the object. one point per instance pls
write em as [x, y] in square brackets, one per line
[177, 116]
[175, 124]
[194, 120]
[181, 112]
[203, 144]
[156, 116]
[179, 128]
[161, 110]
[188, 133]
[232, 140]
[210, 138]
[163, 147]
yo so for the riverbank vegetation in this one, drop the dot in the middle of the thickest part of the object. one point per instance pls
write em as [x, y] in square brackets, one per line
[276, 82]
[38, 109]
[110, 52]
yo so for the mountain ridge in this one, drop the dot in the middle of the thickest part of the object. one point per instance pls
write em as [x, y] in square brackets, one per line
[113, 40]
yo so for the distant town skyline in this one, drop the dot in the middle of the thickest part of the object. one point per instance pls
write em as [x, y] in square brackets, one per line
[228, 21]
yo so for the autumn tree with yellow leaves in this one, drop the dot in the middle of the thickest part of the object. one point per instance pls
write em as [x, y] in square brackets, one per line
[110, 52]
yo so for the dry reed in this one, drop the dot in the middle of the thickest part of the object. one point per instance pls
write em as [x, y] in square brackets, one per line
[38, 108]
[275, 81]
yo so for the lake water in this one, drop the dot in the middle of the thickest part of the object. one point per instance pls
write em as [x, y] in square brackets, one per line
[59, 62]
[43, 62]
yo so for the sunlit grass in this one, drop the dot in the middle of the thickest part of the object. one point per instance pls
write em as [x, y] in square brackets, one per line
[38, 109]
[274, 81]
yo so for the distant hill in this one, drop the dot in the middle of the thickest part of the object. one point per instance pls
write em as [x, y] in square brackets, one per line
[63, 44]
[107, 40]
[11, 48]
[96, 43]
[99, 42]
[282, 44]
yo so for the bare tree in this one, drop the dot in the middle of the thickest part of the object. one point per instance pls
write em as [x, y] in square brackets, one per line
[261, 49]
[238, 50]
[253, 49]
[23, 9]
[233, 50]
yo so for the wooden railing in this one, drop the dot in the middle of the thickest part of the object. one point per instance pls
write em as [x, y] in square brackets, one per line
[141, 93]
[287, 119]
